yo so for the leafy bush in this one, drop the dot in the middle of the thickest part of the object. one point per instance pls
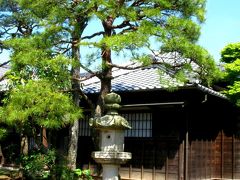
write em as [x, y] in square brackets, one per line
[62, 172]
[47, 164]
[83, 174]
[37, 165]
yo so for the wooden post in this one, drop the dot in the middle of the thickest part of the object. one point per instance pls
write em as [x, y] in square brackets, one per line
[211, 159]
[222, 153]
[190, 161]
[153, 173]
[186, 158]
[1, 156]
[142, 173]
[130, 171]
[233, 156]
[186, 146]
[181, 161]
[44, 138]
[166, 169]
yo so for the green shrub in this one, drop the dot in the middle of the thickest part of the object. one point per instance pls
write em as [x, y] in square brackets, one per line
[62, 172]
[38, 165]
[83, 174]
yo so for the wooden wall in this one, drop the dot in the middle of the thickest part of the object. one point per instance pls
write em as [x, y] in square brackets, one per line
[196, 142]
[199, 140]
[200, 159]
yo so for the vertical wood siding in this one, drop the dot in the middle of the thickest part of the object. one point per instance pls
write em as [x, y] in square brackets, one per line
[214, 159]
[179, 147]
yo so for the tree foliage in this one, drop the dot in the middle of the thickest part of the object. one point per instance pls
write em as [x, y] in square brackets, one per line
[132, 28]
[45, 38]
[38, 103]
[230, 55]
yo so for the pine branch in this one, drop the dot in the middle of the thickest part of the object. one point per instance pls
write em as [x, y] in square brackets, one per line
[3, 77]
[90, 75]
[82, 94]
[86, 69]
[154, 62]
[122, 25]
[93, 35]
[86, 77]
[137, 3]
[128, 67]
[86, 98]
[5, 63]
[133, 28]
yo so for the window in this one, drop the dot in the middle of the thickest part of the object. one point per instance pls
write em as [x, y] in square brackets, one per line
[141, 124]
[84, 128]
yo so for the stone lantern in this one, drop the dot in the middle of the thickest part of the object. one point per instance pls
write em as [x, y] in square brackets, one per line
[111, 128]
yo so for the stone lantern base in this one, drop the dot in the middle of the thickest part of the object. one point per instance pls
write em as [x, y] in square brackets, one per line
[110, 162]
[110, 171]
[111, 157]
[111, 127]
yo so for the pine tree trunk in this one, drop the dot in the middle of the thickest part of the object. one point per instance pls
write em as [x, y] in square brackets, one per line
[105, 78]
[75, 72]
[2, 160]
[106, 69]
[74, 129]
[24, 145]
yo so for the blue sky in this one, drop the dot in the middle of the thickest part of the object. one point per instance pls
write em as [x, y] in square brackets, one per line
[222, 25]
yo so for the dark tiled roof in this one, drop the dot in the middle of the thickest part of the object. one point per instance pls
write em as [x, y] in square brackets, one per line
[134, 80]
[143, 79]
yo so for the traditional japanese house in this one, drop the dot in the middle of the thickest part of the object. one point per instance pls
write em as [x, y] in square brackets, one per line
[179, 131]
[191, 132]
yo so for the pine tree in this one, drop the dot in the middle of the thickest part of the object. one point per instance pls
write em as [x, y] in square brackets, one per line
[103, 30]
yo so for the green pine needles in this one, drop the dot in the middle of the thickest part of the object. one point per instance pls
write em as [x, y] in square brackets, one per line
[38, 103]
